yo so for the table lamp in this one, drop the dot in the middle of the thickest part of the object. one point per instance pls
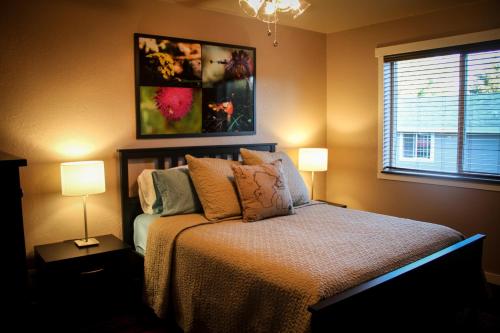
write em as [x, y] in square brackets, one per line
[81, 179]
[313, 159]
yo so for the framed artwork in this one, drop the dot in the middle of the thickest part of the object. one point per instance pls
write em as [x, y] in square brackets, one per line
[187, 88]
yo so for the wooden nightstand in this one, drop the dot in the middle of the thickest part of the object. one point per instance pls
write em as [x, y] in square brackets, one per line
[65, 270]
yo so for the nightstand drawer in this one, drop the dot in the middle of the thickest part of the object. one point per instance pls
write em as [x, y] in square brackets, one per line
[112, 262]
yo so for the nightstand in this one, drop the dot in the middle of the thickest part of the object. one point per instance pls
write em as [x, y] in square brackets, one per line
[92, 274]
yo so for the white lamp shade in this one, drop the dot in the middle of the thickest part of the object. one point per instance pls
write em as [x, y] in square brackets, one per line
[82, 178]
[313, 159]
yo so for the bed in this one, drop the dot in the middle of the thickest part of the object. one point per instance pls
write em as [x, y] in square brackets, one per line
[428, 287]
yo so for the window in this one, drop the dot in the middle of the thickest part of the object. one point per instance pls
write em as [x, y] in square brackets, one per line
[441, 112]
[416, 147]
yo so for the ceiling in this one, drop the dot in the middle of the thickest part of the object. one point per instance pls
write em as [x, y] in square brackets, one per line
[329, 16]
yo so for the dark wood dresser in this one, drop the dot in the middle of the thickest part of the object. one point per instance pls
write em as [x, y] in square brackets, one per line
[12, 244]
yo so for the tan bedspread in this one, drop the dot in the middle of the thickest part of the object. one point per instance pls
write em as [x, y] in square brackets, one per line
[261, 277]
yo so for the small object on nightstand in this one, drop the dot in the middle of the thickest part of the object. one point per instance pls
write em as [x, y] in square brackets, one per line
[82, 179]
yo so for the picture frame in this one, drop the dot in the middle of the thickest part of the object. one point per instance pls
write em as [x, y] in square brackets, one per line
[193, 88]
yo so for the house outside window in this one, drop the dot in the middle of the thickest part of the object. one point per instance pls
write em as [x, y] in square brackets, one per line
[441, 112]
[416, 147]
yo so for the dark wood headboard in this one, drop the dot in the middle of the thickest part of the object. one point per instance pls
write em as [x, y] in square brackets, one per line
[131, 206]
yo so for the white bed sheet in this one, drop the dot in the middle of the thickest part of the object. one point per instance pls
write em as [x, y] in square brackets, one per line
[141, 225]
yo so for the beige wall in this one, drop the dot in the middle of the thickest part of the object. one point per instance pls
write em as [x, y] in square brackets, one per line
[352, 129]
[67, 93]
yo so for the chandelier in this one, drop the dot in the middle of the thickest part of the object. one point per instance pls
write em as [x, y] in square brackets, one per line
[267, 11]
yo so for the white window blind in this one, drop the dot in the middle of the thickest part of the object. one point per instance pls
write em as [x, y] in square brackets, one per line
[442, 112]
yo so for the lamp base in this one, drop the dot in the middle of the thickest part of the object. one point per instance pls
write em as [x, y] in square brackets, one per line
[85, 243]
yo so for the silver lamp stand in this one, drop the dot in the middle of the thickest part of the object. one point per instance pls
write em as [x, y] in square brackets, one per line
[86, 241]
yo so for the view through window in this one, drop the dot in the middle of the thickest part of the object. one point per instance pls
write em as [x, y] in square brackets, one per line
[442, 112]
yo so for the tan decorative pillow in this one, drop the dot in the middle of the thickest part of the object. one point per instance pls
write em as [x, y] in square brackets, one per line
[214, 183]
[296, 185]
[263, 191]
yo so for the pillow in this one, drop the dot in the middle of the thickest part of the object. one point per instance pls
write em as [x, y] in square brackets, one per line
[175, 191]
[214, 182]
[296, 185]
[147, 194]
[149, 197]
[263, 191]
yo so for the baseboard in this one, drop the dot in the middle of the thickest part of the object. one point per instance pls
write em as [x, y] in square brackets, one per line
[492, 278]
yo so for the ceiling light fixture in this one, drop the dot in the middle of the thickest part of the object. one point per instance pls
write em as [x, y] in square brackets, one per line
[267, 11]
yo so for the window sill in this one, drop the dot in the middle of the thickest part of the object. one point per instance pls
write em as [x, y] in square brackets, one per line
[443, 180]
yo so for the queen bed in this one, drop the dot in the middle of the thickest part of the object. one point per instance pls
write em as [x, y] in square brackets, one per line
[323, 267]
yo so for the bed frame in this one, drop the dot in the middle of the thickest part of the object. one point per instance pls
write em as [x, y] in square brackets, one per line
[443, 288]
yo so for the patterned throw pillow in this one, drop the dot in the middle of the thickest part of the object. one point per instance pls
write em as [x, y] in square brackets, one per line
[214, 183]
[263, 191]
[296, 185]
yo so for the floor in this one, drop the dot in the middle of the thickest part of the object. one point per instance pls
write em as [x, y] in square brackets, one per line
[489, 317]
[101, 312]
[129, 315]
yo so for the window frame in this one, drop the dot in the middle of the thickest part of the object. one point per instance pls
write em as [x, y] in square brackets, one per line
[415, 50]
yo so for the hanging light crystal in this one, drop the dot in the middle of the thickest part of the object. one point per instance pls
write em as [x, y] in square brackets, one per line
[268, 10]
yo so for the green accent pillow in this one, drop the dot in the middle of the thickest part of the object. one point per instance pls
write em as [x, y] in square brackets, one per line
[176, 191]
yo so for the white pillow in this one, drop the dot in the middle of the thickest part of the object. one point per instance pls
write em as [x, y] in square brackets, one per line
[147, 193]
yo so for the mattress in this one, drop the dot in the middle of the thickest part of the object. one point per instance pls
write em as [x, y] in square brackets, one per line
[141, 226]
[262, 276]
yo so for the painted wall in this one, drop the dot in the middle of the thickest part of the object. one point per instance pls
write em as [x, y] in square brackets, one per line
[67, 93]
[352, 117]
